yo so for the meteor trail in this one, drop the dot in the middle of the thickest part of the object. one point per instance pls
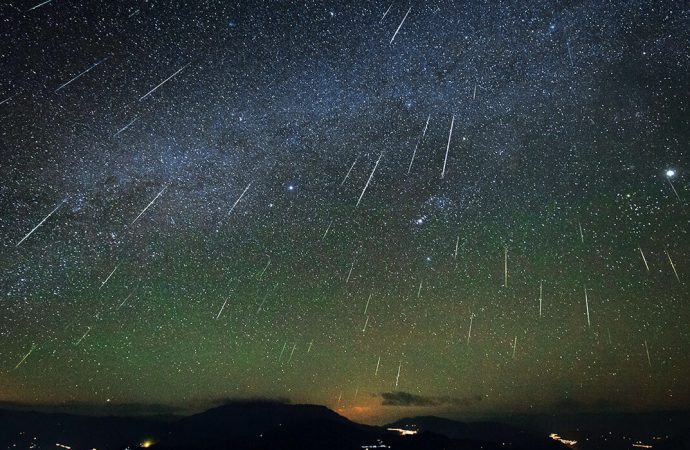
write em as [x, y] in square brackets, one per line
[386, 13]
[582, 236]
[124, 301]
[262, 302]
[673, 188]
[294, 346]
[649, 360]
[309, 348]
[267, 264]
[9, 98]
[365, 325]
[108, 277]
[505, 267]
[83, 336]
[589, 324]
[457, 242]
[350, 272]
[81, 74]
[39, 5]
[378, 363]
[673, 266]
[419, 141]
[327, 228]
[282, 351]
[221, 309]
[419, 291]
[125, 127]
[367, 306]
[239, 198]
[397, 377]
[33, 346]
[445, 160]
[163, 82]
[400, 26]
[541, 283]
[40, 223]
[369, 180]
[348, 172]
[150, 203]
[514, 346]
[644, 259]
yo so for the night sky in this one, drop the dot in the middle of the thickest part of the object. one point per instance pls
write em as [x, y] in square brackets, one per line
[469, 208]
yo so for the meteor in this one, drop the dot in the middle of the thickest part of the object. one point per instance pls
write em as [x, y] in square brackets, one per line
[400, 26]
[644, 259]
[163, 82]
[369, 180]
[108, 277]
[33, 346]
[239, 198]
[150, 203]
[445, 160]
[79, 76]
[40, 223]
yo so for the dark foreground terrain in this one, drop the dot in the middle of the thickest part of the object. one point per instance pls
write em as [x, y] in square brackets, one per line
[273, 426]
[245, 425]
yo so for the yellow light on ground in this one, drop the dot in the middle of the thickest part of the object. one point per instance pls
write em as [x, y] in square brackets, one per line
[146, 444]
[403, 431]
[568, 442]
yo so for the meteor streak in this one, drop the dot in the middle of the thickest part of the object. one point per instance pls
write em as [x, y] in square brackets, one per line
[400, 26]
[149, 205]
[163, 82]
[79, 76]
[445, 160]
[40, 223]
[369, 180]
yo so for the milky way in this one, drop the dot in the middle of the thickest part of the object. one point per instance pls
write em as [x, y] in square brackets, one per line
[464, 207]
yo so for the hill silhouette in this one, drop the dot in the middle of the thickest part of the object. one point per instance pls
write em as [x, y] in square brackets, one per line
[479, 431]
[252, 425]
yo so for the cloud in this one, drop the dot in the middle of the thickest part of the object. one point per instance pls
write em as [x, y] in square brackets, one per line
[399, 398]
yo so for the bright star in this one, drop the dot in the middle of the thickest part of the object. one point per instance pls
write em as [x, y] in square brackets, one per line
[670, 173]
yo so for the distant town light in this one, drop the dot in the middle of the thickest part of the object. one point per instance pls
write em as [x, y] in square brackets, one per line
[403, 431]
[556, 437]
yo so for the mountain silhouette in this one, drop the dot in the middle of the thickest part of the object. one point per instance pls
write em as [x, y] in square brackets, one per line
[254, 425]
[479, 431]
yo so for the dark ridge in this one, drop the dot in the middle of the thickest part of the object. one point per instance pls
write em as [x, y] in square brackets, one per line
[242, 425]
